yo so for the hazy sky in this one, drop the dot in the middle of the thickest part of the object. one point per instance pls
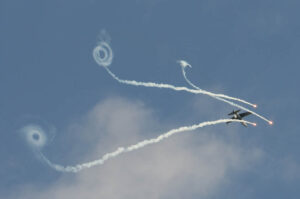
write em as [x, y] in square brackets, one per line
[247, 49]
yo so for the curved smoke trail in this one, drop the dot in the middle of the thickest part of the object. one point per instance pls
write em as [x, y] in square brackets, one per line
[185, 64]
[106, 60]
[121, 150]
[218, 96]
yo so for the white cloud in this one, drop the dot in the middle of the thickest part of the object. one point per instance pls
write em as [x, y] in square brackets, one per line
[184, 165]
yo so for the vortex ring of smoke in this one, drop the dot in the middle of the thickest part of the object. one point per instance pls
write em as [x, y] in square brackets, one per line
[185, 64]
[107, 58]
[121, 150]
[35, 136]
[99, 60]
[221, 99]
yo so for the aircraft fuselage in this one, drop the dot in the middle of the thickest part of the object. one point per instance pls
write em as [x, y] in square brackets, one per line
[237, 116]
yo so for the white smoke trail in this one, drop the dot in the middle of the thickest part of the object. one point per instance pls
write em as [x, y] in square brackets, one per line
[107, 60]
[185, 64]
[221, 99]
[121, 150]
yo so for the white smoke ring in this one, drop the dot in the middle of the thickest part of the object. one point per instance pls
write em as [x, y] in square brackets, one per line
[107, 54]
[35, 136]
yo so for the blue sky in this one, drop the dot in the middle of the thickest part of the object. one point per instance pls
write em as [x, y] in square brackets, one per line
[48, 77]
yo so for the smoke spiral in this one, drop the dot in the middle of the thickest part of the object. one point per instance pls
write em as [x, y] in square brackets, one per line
[103, 53]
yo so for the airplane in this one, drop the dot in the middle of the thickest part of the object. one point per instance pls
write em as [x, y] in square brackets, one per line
[238, 116]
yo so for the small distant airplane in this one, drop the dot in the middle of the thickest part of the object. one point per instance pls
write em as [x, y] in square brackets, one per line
[238, 116]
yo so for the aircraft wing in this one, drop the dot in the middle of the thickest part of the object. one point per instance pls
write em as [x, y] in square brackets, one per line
[244, 124]
[245, 114]
[230, 122]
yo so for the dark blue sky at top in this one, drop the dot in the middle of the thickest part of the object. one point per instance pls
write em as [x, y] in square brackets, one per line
[248, 49]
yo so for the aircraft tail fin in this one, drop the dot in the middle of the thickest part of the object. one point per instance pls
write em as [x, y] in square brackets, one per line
[234, 112]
